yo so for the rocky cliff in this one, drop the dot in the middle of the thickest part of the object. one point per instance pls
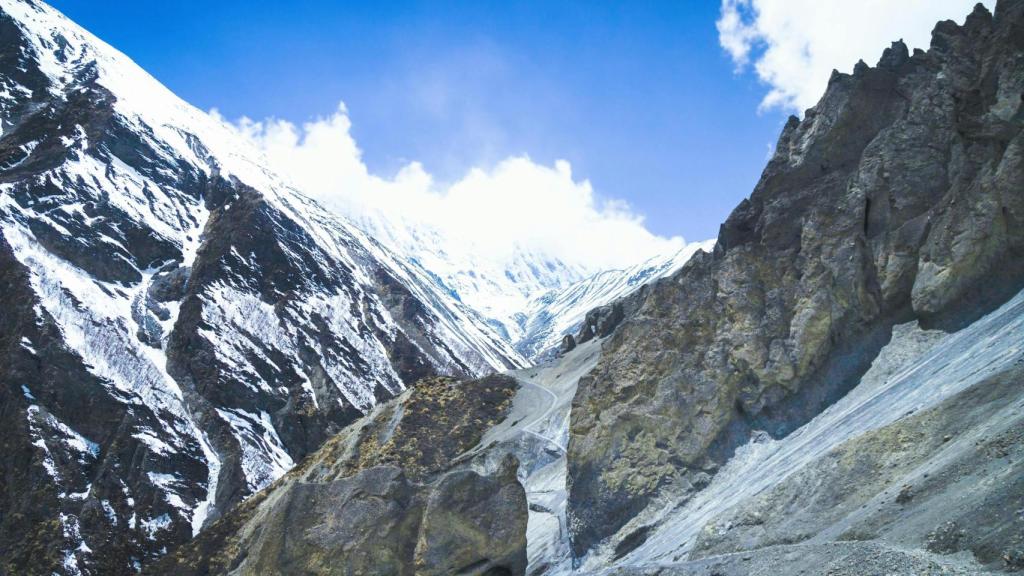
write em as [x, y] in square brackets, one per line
[899, 197]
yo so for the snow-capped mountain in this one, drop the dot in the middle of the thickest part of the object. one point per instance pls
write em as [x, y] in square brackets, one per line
[553, 315]
[532, 299]
[499, 291]
[181, 325]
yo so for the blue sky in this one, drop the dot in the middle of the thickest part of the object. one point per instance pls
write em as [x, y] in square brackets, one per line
[639, 97]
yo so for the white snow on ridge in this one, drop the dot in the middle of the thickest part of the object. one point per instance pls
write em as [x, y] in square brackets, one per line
[497, 293]
[532, 302]
[559, 312]
[459, 326]
[264, 458]
[143, 101]
[93, 319]
[96, 317]
[247, 326]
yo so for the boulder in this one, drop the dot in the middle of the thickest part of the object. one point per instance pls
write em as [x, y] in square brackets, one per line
[474, 525]
[568, 343]
[390, 495]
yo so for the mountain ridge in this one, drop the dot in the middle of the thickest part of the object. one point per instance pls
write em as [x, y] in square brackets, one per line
[203, 325]
[895, 199]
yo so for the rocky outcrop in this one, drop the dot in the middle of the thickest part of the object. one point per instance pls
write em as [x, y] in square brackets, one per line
[379, 522]
[603, 320]
[899, 196]
[568, 344]
[474, 524]
[386, 496]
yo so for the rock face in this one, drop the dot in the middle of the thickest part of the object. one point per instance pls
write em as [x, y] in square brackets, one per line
[386, 496]
[181, 326]
[603, 320]
[474, 524]
[899, 196]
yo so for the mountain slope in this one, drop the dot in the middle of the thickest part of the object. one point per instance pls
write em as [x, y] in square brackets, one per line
[899, 197]
[183, 327]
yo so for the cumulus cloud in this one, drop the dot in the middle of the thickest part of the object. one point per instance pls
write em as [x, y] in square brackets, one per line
[491, 213]
[793, 45]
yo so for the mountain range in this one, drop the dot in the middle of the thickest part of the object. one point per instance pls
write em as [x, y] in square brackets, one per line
[184, 325]
[203, 371]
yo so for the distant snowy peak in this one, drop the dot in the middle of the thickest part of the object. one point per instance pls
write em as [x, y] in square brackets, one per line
[531, 299]
[551, 316]
[498, 291]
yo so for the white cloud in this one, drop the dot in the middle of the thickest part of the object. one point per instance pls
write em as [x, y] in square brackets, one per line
[795, 44]
[489, 213]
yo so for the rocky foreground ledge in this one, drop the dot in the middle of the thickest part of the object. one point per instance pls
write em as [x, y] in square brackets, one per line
[385, 496]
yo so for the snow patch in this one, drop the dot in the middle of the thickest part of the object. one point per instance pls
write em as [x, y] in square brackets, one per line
[264, 458]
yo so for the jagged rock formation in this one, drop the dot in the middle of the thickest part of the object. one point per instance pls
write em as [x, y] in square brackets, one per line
[568, 343]
[900, 196]
[385, 496]
[181, 326]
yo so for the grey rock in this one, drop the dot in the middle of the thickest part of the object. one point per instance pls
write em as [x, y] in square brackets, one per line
[945, 539]
[364, 524]
[859, 491]
[899, 196]
[829, 559]
[388, 495]
[169, 285]
[568, 343]
[600, 322]
[475, 525]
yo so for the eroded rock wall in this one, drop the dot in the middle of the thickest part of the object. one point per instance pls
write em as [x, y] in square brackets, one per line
[898, 197]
